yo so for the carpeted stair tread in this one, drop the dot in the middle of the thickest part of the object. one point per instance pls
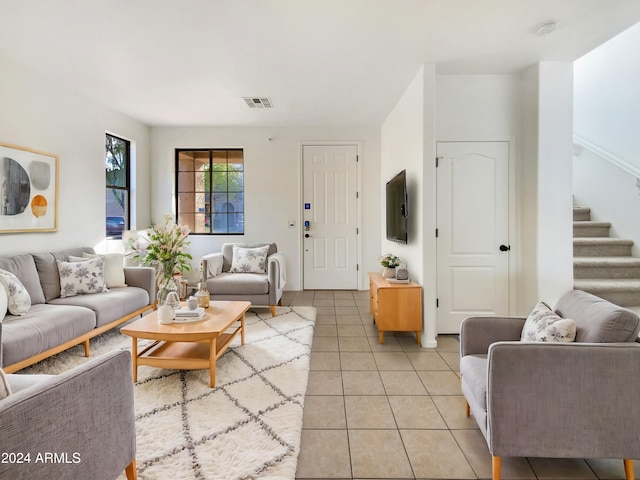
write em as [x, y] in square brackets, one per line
[590, 223]
[606, 262]
[597, 241]
[588, 228]
[607, 285]
[581, 213]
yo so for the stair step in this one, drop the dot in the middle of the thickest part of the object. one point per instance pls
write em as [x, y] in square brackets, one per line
[606, 267]
[581, 214]
[601, 247]
[620, 291]
[591, 229]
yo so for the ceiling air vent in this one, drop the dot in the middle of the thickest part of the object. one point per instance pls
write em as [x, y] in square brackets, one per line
[258, 102]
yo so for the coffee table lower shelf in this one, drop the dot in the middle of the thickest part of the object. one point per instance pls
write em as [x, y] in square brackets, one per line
[183, 355]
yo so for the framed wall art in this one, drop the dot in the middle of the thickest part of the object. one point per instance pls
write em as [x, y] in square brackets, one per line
[28, 190]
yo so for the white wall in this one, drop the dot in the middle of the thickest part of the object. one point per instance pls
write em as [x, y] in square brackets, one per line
[545, 203]
[408, 143]
[39, 114]
[607, 104]
[527, 206]
[273, 173]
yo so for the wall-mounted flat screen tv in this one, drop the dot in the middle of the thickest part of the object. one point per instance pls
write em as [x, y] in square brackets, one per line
[397, 211]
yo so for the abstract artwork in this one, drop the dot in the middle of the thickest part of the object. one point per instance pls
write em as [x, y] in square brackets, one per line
[28, 190]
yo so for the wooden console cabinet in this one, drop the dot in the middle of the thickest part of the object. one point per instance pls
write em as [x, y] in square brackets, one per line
[395, 307]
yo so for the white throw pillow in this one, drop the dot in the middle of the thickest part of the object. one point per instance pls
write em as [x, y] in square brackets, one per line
[5, 391]
[4, 301]
[543, 325]
[249, 260]
[113, 268]
[79, 278]
[214, 265]
[18, 299]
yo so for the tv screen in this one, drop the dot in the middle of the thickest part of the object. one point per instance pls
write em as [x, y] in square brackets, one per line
[397, 208]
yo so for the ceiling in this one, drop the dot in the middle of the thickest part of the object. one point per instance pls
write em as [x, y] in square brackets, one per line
[321, 62]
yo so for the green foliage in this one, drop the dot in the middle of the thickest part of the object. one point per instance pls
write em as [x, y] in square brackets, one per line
[389, 261]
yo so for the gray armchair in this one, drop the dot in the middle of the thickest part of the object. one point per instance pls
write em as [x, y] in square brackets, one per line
[79, 424]
[560, 400]
[261, 289]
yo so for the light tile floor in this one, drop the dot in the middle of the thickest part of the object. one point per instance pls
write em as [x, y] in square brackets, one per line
[396, 410]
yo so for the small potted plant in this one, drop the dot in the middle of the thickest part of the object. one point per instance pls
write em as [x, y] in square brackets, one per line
[389, 262]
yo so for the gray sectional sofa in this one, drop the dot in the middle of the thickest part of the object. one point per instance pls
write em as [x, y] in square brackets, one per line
[54, 324]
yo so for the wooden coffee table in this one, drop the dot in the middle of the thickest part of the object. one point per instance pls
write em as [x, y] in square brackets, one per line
[187, 346]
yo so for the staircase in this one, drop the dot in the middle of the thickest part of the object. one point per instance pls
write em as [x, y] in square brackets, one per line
[603, 265]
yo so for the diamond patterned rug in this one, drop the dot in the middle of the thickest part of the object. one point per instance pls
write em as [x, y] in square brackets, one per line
[247, 427]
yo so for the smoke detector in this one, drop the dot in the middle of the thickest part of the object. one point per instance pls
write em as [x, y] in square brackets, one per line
[546, 28]
[258, 102]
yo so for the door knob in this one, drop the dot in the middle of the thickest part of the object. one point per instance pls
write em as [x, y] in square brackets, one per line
[306, 235]
[505, 248]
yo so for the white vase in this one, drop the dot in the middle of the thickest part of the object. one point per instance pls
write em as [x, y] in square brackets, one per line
[389, 272]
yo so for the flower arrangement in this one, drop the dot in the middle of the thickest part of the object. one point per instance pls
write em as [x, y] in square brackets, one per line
[389, 261]
[165, 246]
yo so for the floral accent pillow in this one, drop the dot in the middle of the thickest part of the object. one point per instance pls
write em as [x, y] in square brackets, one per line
[18, 299]
[80, 278]
[249, 260]
[543, 325]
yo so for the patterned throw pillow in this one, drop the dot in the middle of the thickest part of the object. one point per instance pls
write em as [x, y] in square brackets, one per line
[249, 260]
[79, 278]
[542, 325]
[18, 299]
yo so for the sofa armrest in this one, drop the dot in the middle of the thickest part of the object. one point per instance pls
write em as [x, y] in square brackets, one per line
[143, 277]
[276, 269]
[85, 416]
[211, 265]
[573, 400]
[477, 333]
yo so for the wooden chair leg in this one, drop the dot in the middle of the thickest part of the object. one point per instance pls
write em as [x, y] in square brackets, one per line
[273, 310]
[628, 469]
[87, 352]
[495, 467]
[467, 408]
[130, 470]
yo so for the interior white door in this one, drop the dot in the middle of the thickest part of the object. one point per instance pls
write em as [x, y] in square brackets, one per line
[330, 207]
[473, 231]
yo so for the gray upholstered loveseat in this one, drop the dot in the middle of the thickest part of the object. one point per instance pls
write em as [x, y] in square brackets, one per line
[79, 424]
[560, 400]
[53, 324]
[260, 289]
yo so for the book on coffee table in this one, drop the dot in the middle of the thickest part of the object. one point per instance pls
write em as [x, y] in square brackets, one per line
[189, 313]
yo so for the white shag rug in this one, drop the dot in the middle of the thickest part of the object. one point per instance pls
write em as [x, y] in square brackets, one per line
[248, 427]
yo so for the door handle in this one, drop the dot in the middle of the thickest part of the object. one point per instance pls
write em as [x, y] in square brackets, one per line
[306, 235]
[505, 248]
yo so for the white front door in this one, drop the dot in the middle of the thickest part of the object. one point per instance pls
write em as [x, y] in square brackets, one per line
[330, 241]
[473, 231]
